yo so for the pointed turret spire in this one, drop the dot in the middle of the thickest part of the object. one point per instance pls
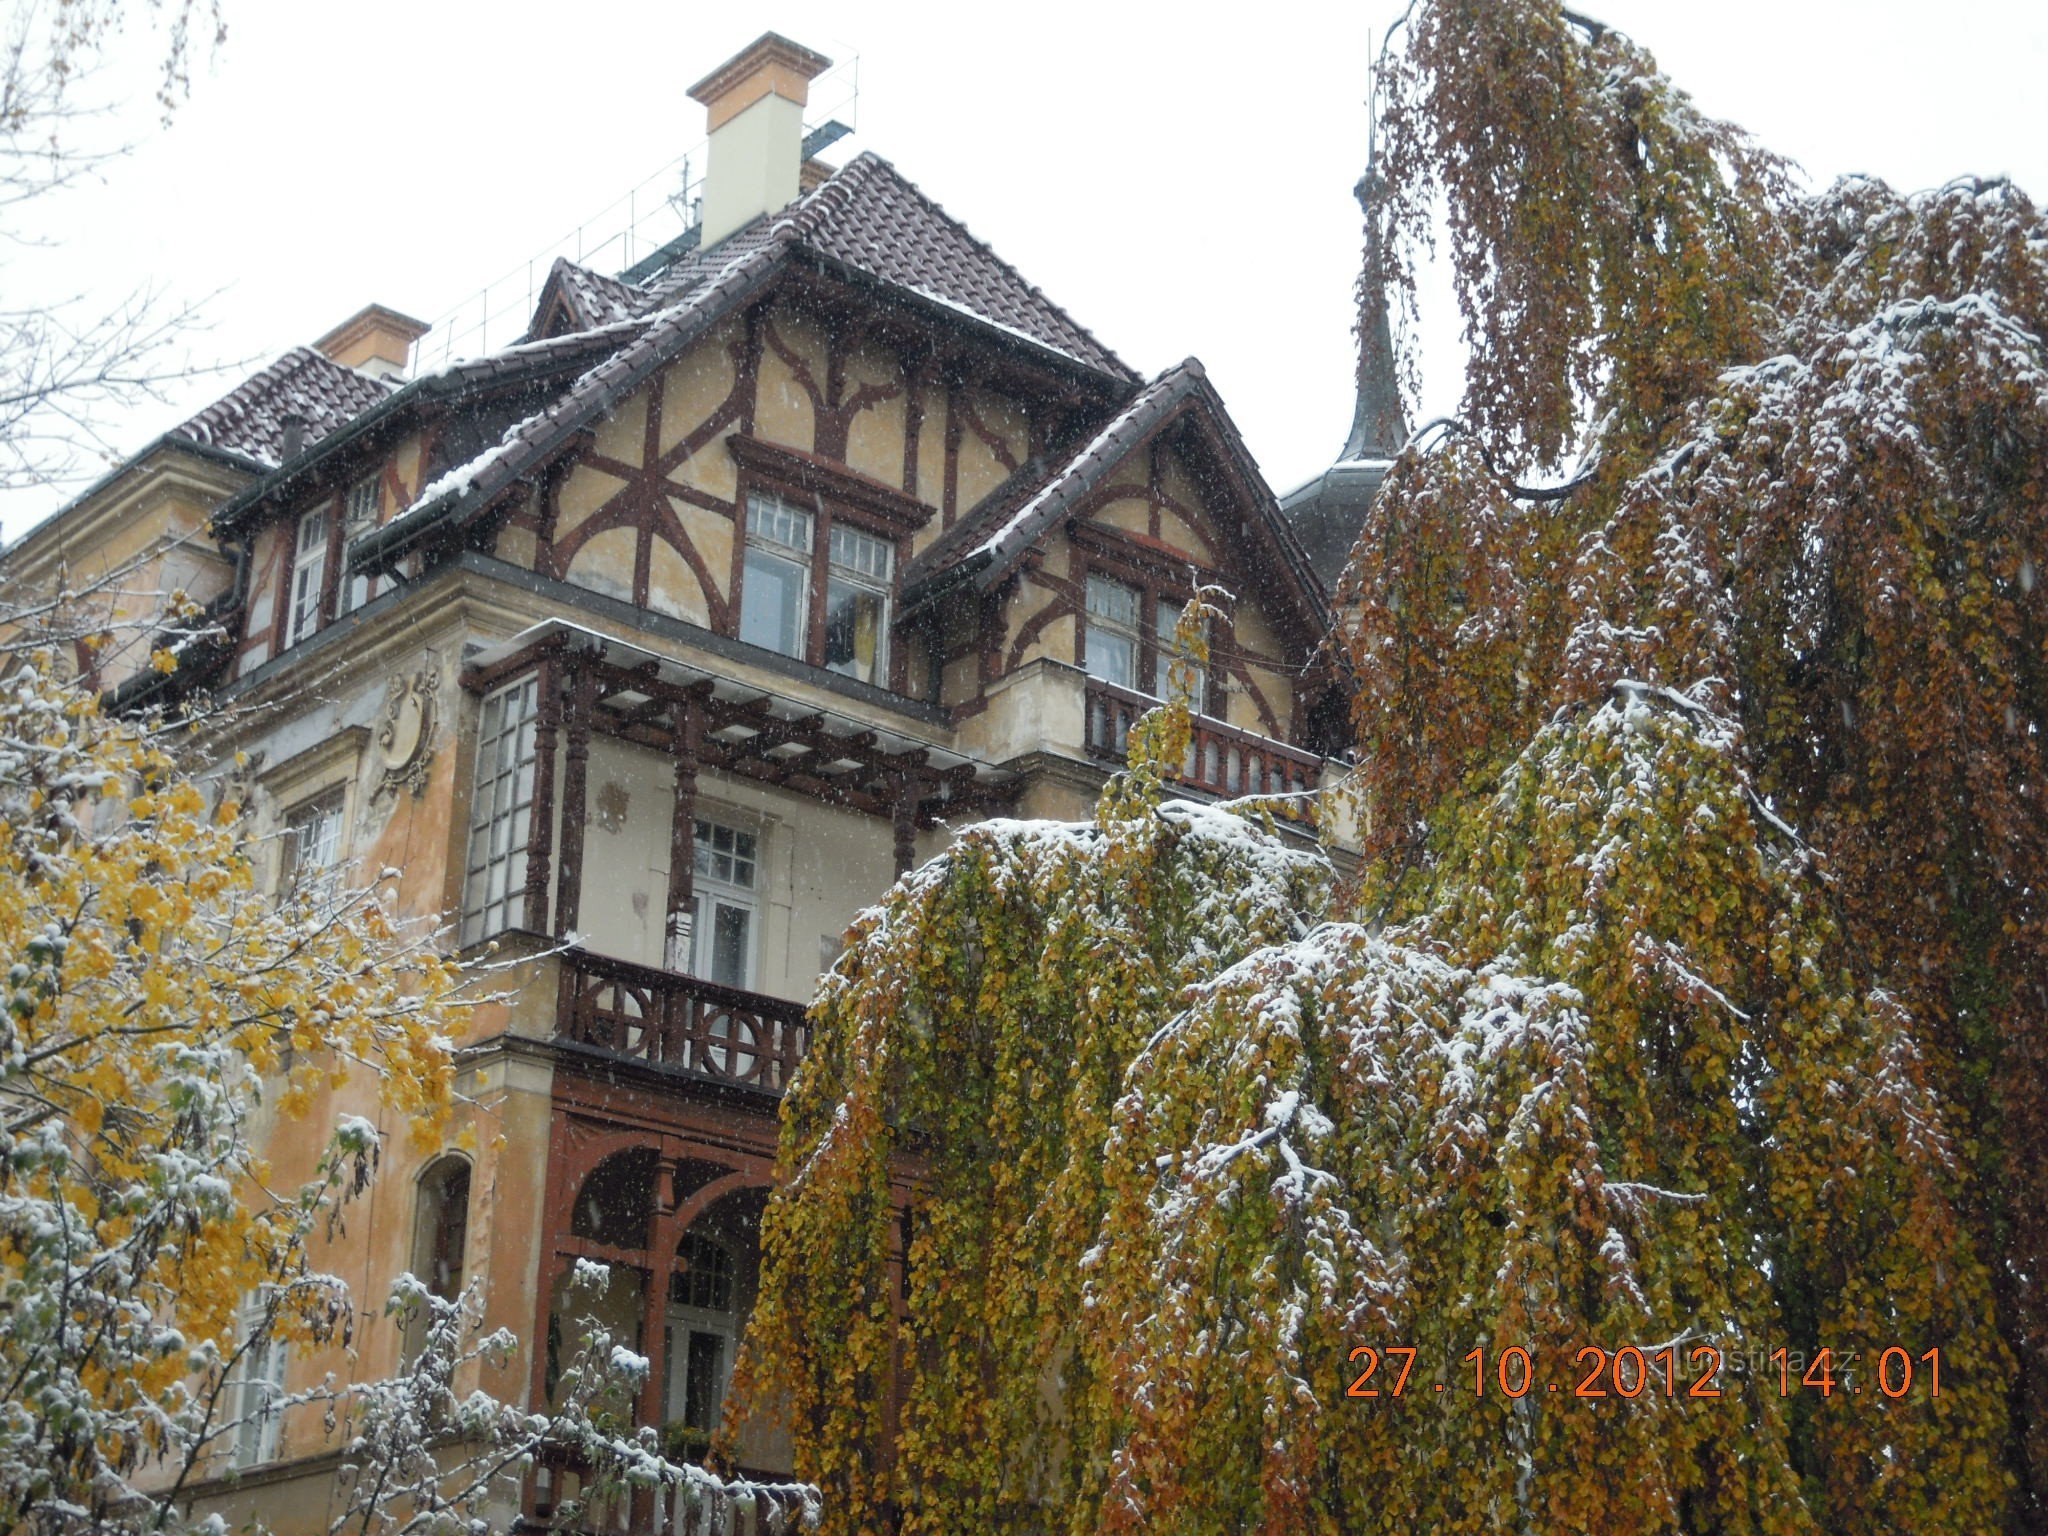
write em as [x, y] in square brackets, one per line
[1328, 511]
[1379, 428]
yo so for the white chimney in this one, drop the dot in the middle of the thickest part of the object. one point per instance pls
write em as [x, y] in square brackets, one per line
[755, 106]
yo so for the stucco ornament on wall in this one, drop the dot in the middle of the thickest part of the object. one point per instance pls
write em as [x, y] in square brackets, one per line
[405, 734]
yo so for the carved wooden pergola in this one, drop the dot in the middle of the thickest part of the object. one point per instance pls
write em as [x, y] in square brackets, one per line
[592, 682]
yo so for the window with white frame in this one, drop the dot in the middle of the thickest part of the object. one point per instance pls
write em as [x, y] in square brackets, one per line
[358, 521]
[312, 847]
[857, 604]
[1167, 617]
[1110, 648]
[308, 577]
[776, 581]
[723, 917]
[702, 1332]
[253, 1389]
[500, 810]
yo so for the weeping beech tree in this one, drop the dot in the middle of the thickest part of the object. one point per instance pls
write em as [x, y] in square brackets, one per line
[1811, 491]
[1691, 992]
[1173, 1141]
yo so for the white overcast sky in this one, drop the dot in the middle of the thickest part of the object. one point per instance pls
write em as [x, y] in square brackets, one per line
[1177, 177]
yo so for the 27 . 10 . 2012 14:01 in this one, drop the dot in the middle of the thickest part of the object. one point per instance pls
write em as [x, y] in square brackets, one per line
[1629, 1372]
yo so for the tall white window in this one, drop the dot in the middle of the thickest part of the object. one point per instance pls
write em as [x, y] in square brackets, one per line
[722, 925]
[500, 811]
[309, 577]
[253, 1389]
[703, 1328]
[1167, 618]
[775, 590]
[857, 604]
[358, 521]
[1110, 650]
[312, 847]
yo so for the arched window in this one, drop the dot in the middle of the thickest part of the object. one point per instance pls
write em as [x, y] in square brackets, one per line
[703, 1277]
[441, 1229]
[616, 1202]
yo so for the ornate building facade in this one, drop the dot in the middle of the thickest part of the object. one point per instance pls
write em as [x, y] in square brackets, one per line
[645, 652]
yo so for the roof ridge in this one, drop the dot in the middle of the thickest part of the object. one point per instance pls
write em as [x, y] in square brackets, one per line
[878, 164]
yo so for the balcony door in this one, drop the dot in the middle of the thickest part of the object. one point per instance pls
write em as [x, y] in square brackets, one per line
[725, 917]
[703, 1329]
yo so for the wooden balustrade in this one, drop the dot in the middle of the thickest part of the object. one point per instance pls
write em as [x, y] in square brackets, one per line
[682, 1023]
[1221, 759]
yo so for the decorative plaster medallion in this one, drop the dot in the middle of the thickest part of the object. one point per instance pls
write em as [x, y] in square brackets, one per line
[238, 784]
[405, 735]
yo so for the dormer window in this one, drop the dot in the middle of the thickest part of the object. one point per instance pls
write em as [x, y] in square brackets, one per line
[358, 521]
[308, 578]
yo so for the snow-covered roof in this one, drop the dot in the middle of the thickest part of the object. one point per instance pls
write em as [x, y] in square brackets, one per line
[867, 218]
[250, 418]
[1010, 519]
[988, 542]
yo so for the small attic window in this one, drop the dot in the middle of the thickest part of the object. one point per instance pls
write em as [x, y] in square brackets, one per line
[307, 585]
[359, 521]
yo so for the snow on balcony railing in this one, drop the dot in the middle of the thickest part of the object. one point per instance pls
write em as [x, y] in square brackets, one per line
[681, 1023]
[1221, 759]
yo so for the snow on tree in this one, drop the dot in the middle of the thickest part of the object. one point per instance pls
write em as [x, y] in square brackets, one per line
[153, 999]
[1812, 438]
[150, 990]
[1689, 995]
[1177, 1140]
[425, 1459]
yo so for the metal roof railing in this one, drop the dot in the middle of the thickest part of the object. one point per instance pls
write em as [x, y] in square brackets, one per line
[634, 236]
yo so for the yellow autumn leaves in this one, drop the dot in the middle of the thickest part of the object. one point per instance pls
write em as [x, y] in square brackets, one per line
[152, 994]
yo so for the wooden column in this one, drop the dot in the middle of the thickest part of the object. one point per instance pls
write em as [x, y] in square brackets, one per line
[581, 716]
[540, 835]
[663, 1238]
[903, 819]
[682, 839]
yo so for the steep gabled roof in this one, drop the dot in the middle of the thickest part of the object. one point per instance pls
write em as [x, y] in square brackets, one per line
[250, 418]
[585, 297]
[867, 220]
[879, 224]
[889, 229]
[998, 529]
[535, 364]
[987, 544]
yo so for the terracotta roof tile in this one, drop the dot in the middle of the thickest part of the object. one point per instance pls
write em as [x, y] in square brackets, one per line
[868, 218]
[891, 230]
[596, 299]
[249, 419]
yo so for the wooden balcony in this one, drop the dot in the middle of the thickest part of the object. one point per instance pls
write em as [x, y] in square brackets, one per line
[681, 1023]
[1221, 759]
